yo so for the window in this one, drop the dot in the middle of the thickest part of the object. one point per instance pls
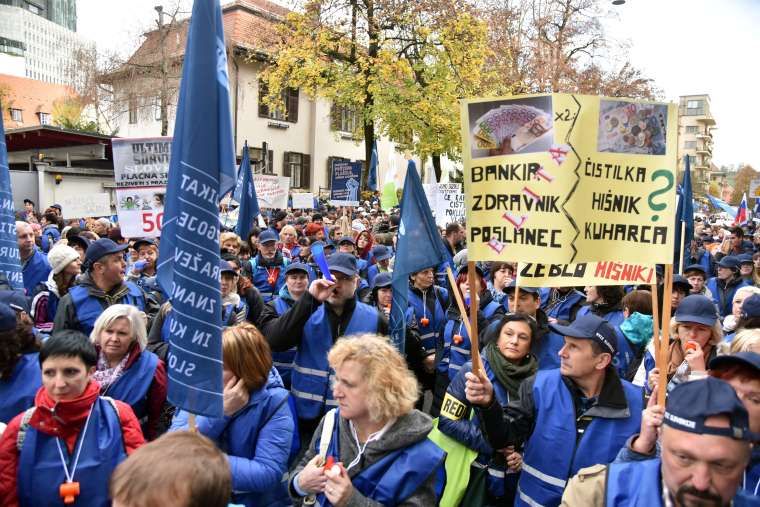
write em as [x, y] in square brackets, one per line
[298, 167]
[16, 115]
[689, 145]
[255, 154]
[157, 109]
[692, 129]
[132, 110]
[289, 98]
[695, 108]
[45, 118]
[344, 118]
[693, 104]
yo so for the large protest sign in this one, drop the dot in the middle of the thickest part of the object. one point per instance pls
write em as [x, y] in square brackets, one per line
[345, 183]
[303, 200]
[447, 201]
[272, 191]
[10, 260]
[530, 274]
[563, 178]
[86, 205]
[141, 169]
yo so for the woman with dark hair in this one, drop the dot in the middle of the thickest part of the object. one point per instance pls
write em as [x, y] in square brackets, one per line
[507, 362]
[20, 375]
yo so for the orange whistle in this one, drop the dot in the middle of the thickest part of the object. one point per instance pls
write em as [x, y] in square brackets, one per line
[457, 339]
[691, 346]
[270, 280]
[424, 321]
[329, 462]
[69, 492]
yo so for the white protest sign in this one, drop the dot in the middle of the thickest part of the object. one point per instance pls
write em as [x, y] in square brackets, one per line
[87, 205]
[447, 201]
[303, 200]
[272, 191]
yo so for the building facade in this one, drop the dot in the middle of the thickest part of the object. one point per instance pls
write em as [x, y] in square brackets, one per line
[38, 39]
[695, 138]
[28, 102]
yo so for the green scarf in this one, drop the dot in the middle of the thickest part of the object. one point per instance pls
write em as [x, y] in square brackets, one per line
[509, 374]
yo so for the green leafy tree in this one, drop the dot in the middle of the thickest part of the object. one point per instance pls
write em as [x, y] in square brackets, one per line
[741, 184]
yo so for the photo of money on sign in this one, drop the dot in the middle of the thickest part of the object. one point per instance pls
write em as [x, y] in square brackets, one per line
[514, 126]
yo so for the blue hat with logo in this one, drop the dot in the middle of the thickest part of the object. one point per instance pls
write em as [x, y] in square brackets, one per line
[100, 248]
[7, 318]
[591, 327]
[343, 263]
[381, 252]
[267, 235]
[529, 290]
[297, 266]
[697, 308]
[382, 280]
[690, 404]
[729, 261]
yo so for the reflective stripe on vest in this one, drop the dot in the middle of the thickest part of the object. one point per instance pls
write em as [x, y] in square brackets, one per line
[285, 360]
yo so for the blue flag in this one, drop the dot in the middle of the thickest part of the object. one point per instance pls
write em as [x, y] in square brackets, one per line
[372, 177]
[684, 215]
[419, 246]
[249, 204]
[201, 171]
[722, 205]
[10, 260]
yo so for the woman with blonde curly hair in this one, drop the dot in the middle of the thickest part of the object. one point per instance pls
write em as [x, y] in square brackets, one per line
[373, 448]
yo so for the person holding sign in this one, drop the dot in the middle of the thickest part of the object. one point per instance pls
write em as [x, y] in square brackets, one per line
[373, 449]
[71, 440]
[507, 363]
[568, 418]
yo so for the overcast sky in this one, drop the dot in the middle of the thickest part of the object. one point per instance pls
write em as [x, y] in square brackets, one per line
[687, 46]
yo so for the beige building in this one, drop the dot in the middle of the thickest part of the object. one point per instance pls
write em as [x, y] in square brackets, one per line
[695, 138]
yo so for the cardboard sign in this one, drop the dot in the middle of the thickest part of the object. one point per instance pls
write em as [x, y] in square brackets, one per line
[586, 273]
[303, 200]
[562, 178]
[86, 205]
[272, 191]
[447, 201]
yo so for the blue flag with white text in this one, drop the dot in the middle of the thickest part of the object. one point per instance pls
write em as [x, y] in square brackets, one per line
[10, 260]
[372, 177]
[249, 204]
[419, 246]
[201, 171]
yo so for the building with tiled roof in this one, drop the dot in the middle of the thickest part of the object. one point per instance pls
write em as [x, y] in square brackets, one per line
[28, 102]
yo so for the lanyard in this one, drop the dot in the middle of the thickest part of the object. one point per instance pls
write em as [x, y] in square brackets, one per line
[70, 476]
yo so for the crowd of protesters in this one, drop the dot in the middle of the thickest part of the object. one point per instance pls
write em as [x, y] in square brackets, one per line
[320, 408]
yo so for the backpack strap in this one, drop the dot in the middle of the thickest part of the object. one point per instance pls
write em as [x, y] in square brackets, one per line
[23, 427]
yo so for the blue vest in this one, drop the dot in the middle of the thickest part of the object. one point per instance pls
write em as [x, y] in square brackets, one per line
[284, 361]
[454, 354]
[726, 303]
[497, 470]
[634, 484]
[133, 385]
[35, 271]
[40, 471]
[394, 477]
[260, 278]
[551, 454]
[547, 349]
[311, 374]
[17, 393]
[490, 309]
[562, 309]
[437, 317]
[89, 307]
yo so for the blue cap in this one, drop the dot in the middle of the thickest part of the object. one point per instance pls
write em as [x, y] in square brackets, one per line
[591, 327]
[751, 307]
[144, 241]
[750, 359]
[382, 280]
[690, 404]
[696, 267]
[346, 239]
[297, 266]
[343, 263]
[745, 258]
[682, 282]
[511, 288]
[7, 318]
[381, 252]
[267, 235]
[729, 261]
[100, 248]
[16, 299]
[56, 206]
[81, 241]
[225, 267]
[697, 308]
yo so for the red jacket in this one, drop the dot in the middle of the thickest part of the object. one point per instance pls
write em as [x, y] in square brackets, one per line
[70, 416]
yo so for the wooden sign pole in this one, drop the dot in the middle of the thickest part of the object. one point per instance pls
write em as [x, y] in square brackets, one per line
[477, 364]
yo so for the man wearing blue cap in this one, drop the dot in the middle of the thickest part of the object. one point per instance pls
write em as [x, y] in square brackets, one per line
[35, 267]
[568, 418]
[724, 285]
[101, 286]
[697, 276]
[267, 268]
[382, 255]
[705, 442]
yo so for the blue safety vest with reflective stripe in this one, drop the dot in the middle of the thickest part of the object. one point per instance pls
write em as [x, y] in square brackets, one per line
[497, 470]
[89, 307]
[396, 476]
[260, 278]
[552, 455]
[284, 361]
[634, 484]
[40, 472]
[133, 385]
[454, 354]
[436, 318]
[310, 382]
[562, 309]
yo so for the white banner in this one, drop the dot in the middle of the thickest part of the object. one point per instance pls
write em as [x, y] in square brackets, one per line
[141, 168]
[272, 191]
[87, 205]
[303, 201]
[447, 202]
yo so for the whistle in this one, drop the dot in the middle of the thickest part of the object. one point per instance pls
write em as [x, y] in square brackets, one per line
[329, 462]
[270, 280]
[691, 346]
[457, 339]
[424, 321]
[69, 492]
